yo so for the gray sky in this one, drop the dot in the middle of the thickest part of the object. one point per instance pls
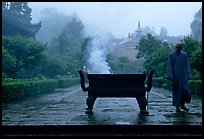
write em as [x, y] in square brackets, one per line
[121, 18]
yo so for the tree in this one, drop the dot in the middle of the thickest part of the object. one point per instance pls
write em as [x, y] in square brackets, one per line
[70, 49]
[18, 10]
[53, 24]
[193, 48]
[147, 45]
[158, 61]
[8, 62]
[5, 7]
[26, 13]
[190, 44]
[53, 66]
[196, 26]
[196, 63]
[75, 28]
[69, 45]
[20, 53]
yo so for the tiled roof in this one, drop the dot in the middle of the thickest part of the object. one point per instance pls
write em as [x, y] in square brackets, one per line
[27, 28]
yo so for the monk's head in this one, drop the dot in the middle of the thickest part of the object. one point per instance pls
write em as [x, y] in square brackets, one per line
[178, 47]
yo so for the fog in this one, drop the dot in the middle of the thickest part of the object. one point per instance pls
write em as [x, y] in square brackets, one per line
[101, 20]
[96, 55]
[121, 18]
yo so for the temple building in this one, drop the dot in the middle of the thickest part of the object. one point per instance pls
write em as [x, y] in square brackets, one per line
[127, 47]
[12, 27]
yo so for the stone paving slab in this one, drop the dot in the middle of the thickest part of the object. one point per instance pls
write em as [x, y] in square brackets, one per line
[67, 107]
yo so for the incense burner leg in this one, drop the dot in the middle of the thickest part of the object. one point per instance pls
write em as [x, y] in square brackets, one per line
[142, 102]
[90, 102]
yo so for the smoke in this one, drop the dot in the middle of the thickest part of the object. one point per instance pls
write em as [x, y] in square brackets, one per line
[97, 50]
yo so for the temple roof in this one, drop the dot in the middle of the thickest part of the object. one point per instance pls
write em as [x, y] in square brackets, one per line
[30, 29]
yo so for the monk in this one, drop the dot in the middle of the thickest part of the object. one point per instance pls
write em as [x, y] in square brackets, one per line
[178, 71]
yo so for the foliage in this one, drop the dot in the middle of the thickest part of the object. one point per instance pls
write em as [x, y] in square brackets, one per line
[64, 82]
[18, 10]
[8, 62]
[196, 86]
[190, 44]
[22, 89]
[147, 45]
[123, 59]
[196, 60]
[156, 54]
[158, 61]
[52, 67]
[19, 89]
[66, 45]
[193, 48]
[53, 23]
[122, 65]
[75, 28]
[67, 49]
[161, 82]
[196, 75]
[68, 52]
[20, 53]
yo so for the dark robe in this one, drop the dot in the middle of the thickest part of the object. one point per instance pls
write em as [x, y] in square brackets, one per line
[178, 71]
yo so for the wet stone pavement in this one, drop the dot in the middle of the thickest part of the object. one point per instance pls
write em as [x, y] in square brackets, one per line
[67, 107]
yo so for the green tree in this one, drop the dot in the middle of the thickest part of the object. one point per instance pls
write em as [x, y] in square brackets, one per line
[158, 61]
[53, 24]
[23, 54]
[18, 10]
[190, 44]
[53, 66]
[75, 28]
[70, 45]
[196, 63]
[26, 13]
[147, 45]
[196, 59]
[8, 62]
[70, 49]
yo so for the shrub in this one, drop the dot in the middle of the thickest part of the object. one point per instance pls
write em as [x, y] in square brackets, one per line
[65, 82]
[22, 88]
[195, 85]
[17, 89]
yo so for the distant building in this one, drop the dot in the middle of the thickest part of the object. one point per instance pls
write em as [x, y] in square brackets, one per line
[127, 47]
[12, 27]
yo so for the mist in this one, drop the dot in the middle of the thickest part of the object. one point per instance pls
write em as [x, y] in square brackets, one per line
[96, 53]
[102, 21]
[120, 18]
